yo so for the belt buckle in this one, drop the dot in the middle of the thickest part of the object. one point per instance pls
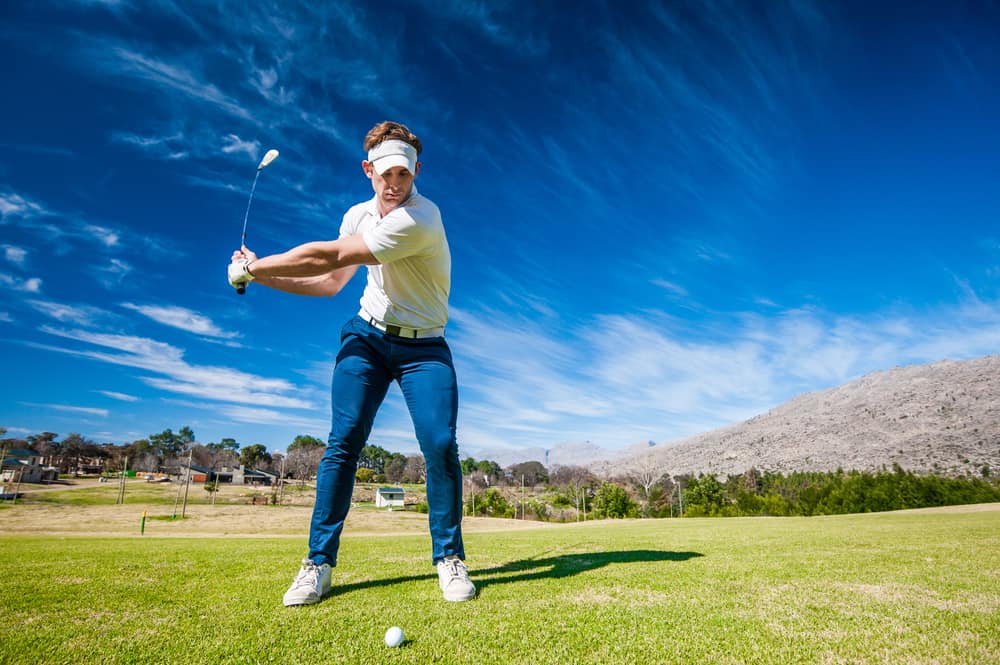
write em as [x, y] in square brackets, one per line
[394, 330]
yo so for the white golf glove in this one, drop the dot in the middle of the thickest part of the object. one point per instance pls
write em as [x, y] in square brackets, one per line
[239, 274]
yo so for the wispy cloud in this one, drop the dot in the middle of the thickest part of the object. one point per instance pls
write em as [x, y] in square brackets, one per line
[671, 287]
[112, 273]
[165, 147]
[165, 76]
[121, 397]
[70, 409]
[15, 255]
[620, 379]
[26, 284]
[173, 374]
[182, 318]
[258, 416]
[16, 206]
[81, 315]
[232, 143]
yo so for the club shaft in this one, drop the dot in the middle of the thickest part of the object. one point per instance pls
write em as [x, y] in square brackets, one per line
[246, 216]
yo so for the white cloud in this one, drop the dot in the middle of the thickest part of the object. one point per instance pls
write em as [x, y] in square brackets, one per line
[174, 374]
[28, 285]
[121, 397]
[5, 317]
[112, 273]
[71, 409]
[676, 289]
[167, 147]
[81, 315]
[258, 416]
[618, 379]
[179, 317]
[15, 255]
[233, 143]
[167, 76]
[105, 236]
[14, 205]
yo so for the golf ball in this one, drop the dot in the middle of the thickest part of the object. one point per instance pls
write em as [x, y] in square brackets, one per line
[394, 636]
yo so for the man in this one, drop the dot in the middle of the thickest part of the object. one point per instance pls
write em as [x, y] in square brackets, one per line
[398, 335]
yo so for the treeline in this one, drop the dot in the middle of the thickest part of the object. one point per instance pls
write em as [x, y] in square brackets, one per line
[833, 493]
[572, 493]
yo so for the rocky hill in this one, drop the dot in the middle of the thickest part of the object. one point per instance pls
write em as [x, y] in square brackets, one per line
[942, 417]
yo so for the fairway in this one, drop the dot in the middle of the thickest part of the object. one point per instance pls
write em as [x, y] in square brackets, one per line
[907, 587]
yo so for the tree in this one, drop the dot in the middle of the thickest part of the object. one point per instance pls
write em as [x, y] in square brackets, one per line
[613, 501]
[75, 448]
[534, 473]
[45, 444]
[704, 496]
[576, 480]
[169, 444]
[303, 461]
[225, 444]
[644, 475]
[374, 458]
[142, 455]
[305, 441]
[203, 456]
[415, 470]
[254, 455]
[395, 469]
[468, 464]
[491, 470]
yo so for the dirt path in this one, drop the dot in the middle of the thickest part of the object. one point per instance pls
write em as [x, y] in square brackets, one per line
[224, 520]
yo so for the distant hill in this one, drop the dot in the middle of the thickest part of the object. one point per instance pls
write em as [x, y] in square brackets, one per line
[942, 417]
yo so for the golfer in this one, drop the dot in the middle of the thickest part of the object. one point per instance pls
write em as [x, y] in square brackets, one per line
[398, 335]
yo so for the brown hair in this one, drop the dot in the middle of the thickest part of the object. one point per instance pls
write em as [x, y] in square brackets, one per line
[386, 130]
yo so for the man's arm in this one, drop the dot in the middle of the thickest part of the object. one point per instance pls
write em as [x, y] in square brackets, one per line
[314, 268]
[329, 284]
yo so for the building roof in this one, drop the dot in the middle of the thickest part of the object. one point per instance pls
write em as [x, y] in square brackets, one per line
[390, 490]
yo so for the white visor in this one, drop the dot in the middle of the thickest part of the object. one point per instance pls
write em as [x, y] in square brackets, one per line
[393, 152]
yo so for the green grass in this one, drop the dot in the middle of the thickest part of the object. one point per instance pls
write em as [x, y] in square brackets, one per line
[921, 587]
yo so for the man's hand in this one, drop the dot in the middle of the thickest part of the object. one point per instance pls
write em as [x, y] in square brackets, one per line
[239, 275]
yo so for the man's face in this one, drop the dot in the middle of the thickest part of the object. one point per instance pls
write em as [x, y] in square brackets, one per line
[391, 187]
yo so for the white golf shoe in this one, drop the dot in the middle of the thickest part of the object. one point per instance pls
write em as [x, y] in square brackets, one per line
[454, 579]
[310, 585]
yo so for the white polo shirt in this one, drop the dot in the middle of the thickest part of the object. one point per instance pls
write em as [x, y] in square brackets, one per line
[410, 287]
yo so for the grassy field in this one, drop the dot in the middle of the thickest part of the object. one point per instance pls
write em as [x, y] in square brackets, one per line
[908, 587]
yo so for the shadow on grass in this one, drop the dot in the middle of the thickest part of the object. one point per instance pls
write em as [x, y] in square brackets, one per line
[554, 567]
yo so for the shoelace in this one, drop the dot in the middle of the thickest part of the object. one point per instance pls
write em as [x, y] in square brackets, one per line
[308, 576]
[456, 569]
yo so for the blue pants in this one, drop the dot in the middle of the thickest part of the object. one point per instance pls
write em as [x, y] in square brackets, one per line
[369, 360]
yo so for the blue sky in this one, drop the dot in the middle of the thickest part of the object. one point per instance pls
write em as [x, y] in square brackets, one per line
[664, 218]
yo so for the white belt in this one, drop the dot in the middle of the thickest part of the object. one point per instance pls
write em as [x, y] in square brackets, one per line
[399, 331]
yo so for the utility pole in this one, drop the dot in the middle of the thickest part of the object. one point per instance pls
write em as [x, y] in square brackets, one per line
[121, 483]
[523, 517]
[187, 485]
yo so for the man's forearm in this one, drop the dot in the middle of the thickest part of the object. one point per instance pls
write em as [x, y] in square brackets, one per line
[313, 259]
[329, 284]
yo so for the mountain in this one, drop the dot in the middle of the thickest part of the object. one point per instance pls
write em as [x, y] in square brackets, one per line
[563, 454]
[942, 417]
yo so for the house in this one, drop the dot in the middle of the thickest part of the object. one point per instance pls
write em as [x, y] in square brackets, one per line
[25, 466]
[388, 497]
[239, 475]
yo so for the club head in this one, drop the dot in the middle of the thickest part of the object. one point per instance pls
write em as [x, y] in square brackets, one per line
[269, 157]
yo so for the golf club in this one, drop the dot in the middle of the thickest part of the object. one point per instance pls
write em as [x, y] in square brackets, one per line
[269, 157]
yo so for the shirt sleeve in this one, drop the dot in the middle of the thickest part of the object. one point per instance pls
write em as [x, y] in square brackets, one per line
[397, 236]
